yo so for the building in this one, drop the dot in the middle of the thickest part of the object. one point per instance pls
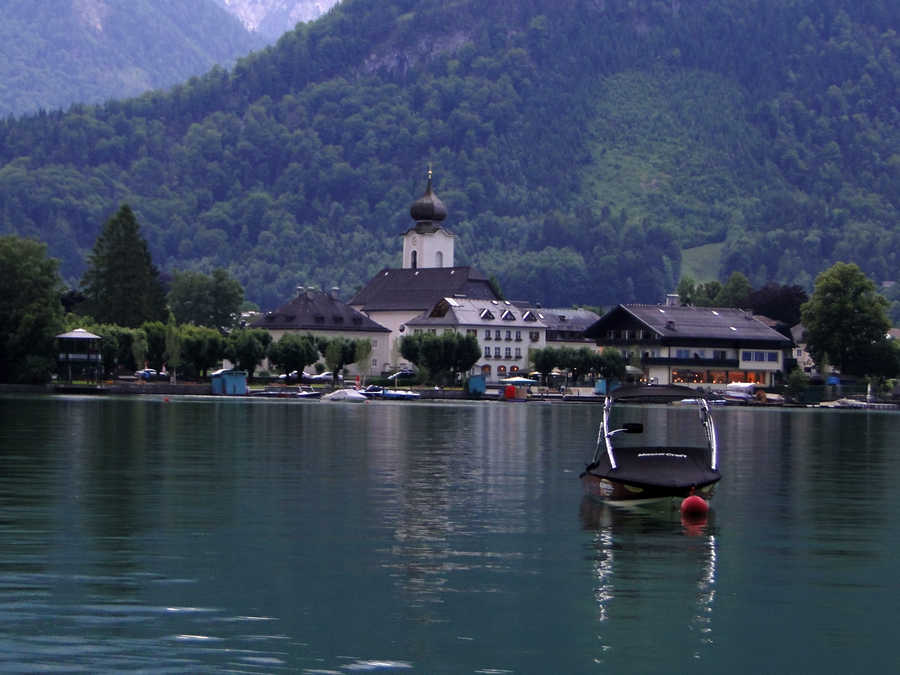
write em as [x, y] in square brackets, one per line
[393, 296]
[79, 356]
[695, 346]
[324, 315]
[566, 327]
[505, 332]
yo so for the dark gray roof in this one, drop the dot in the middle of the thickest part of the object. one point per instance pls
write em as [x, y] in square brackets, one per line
[567, 318]
[673, 323]
[316, 311]
[419, 289]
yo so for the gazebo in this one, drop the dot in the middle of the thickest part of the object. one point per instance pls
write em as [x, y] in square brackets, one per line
[79, 355]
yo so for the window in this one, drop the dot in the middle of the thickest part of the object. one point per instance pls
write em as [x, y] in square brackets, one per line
[772, 357]
[487, 352]
[497, 335]
[682, 353]
[509, 335]
[487, 334]
[471, 332]
[746, 356]
[687, 376]
[518, 336]
[518, 352]
[759, 356]
[433, 331]
[611, 335]
[508, 354]
[416, 331]
[719, 355]
[374, 362]
[534, 335]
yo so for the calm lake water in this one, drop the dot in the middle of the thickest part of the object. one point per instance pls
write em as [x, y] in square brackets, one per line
[200, 534]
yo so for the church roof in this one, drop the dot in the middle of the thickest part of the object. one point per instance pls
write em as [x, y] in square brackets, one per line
[419, 289]
[428, 207]
[314, 310]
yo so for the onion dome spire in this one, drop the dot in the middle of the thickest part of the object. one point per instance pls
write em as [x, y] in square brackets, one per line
[428, 207]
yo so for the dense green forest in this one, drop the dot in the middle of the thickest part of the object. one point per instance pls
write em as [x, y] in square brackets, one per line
[66, 51]
[579, 145]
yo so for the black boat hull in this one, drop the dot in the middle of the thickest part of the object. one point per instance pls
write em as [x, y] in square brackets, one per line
[606, 489]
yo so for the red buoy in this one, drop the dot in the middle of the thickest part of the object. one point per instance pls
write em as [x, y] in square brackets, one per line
[694, 506]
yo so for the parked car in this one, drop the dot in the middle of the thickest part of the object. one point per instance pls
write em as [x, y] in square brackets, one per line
[146, 374]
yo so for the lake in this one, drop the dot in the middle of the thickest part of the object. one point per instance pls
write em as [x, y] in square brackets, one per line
[210, 534]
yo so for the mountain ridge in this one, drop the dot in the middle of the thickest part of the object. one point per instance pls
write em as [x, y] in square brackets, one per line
[579, 146]
[88, 51]
[273, 18]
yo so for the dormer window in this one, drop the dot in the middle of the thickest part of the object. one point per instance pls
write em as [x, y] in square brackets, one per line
[508, 316]
[486, 315]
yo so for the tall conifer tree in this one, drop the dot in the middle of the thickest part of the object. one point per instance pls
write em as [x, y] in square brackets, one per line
[122, 284]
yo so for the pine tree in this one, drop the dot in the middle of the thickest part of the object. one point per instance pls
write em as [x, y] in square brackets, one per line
[122, 284]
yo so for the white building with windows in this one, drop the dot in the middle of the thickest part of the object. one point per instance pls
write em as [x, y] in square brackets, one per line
[322, 314]
[505, 332]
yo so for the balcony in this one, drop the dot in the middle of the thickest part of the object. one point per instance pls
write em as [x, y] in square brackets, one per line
[689, 361]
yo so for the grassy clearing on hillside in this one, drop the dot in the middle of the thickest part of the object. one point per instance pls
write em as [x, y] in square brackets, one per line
[702, 263]
[674, 147]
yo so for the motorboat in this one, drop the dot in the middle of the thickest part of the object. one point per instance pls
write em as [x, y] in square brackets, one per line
[399, 395]
[376, 392]
[636, 475]
[349, 395]
[287, 392]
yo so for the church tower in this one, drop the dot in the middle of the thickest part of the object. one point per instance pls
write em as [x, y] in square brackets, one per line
[427, 244]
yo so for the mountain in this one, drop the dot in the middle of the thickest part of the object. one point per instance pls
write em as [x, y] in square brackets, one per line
[57, 53]
[580, 146]
[273, 18]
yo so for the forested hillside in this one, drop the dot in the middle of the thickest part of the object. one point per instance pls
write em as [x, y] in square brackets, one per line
[58, 52]
[579, 145]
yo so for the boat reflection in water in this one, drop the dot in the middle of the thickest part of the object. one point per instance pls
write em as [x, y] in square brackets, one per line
[654, 581]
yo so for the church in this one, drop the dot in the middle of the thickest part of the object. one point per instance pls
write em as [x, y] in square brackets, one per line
[393, 297]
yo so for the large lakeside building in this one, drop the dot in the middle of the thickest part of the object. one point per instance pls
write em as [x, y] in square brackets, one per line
[694, 346]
